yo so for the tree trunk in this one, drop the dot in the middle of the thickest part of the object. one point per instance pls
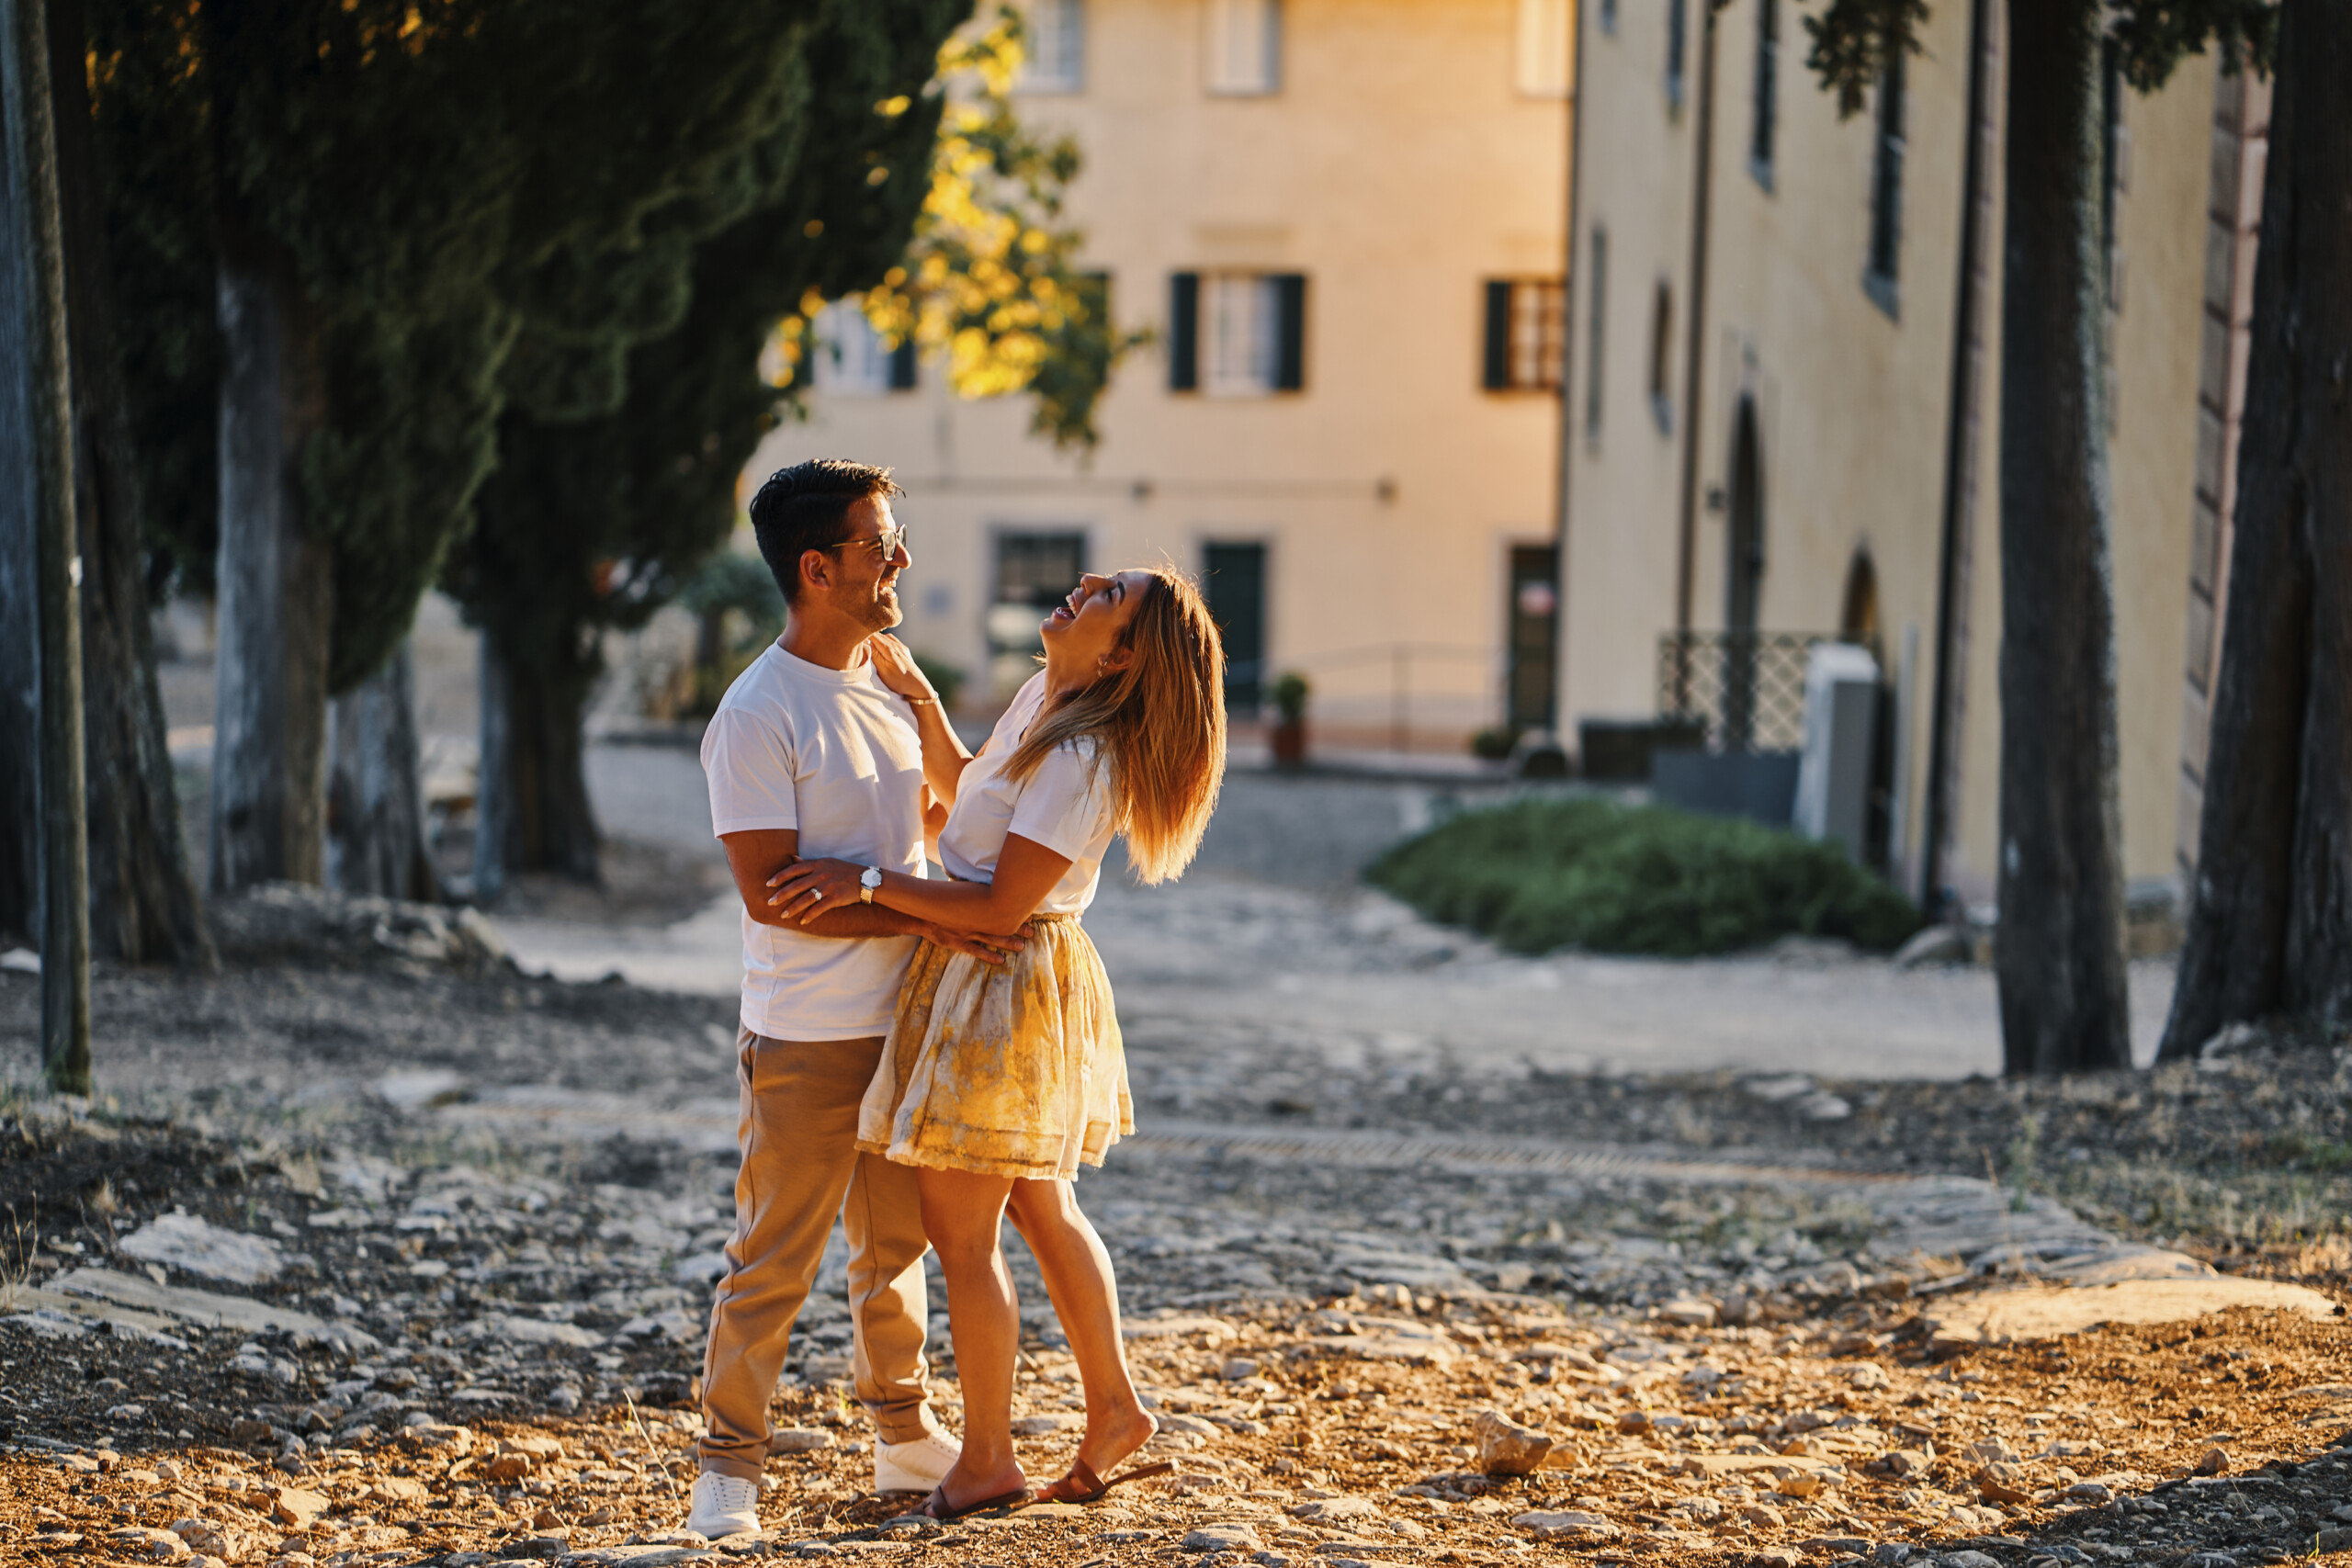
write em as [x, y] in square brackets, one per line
[275, 590]
[375, 799]
[532, 810]
[2270, 925]
[36, 367]
[143, 903]
[19, 622]
[2059, 948]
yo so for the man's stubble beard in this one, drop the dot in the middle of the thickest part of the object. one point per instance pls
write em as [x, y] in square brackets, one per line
[876, 614]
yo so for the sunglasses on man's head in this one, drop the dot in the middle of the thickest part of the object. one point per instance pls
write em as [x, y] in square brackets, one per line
[884, 545]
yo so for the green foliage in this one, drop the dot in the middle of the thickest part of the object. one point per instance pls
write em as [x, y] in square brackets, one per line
[1538, 874]
[946, 678]
[1290, 693]
[1853, 38]
[590, 524]
[731, 580]
[460, 199]
[1493, 744]
[991, 286]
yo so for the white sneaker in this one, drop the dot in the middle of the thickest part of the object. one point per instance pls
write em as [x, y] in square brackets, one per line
[723, 1506]
[917, 1465]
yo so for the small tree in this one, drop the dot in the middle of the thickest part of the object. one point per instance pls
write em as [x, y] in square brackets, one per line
[2059, 950]
[2270, 924]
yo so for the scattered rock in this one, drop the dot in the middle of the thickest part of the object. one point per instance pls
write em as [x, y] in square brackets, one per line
[1563, 1522]
[2215, 1460]
[1691, 1312]
[806, 1439]
[1506, 1448]
[298, 1508]
[1222, 1537]
[182, 1241]
[1337, 1510]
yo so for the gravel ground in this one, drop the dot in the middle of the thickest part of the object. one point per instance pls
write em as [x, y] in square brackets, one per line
[476, 1213]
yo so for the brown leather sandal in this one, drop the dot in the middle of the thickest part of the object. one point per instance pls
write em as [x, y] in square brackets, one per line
[1082, 1485]
[938, 1507]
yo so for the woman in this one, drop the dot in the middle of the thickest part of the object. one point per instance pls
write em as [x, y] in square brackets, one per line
[997, 1081]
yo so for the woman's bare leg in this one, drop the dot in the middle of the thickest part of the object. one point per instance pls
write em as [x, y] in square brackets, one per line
[1085, 1294]
[961, 1212]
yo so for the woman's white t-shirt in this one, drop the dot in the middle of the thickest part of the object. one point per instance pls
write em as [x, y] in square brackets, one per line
[833, 755]
[1064, 806]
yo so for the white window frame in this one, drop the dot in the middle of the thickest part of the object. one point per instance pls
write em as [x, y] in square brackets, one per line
[1053, 56]
[1240, 334]
[851, 360]
[1244, 48]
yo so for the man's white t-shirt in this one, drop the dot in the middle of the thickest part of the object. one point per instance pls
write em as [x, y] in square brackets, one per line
[1065, 804]
[835, 754]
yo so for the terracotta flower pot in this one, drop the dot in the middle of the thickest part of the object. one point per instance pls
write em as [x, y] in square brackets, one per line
[1290, 743]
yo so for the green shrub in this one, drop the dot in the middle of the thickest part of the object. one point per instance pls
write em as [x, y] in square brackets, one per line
[1290, 693]
[1494, 744]
[1538, 874]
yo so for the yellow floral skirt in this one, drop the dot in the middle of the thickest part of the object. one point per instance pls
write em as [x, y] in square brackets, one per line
[1006, 1069]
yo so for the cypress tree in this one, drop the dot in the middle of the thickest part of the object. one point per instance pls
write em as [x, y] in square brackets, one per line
[592, 524]
[915, 184]
[349, 235]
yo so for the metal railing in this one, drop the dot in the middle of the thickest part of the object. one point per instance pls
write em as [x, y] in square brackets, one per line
[1744, 690]
[1400, 659]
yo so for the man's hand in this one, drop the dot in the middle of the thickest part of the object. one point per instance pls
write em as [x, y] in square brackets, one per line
[987, 949]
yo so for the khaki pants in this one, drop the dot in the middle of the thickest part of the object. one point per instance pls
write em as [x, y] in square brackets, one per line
[798, 1132]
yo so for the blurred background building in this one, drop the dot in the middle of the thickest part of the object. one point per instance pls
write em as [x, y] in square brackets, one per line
[1781, 420]
[1343, 221]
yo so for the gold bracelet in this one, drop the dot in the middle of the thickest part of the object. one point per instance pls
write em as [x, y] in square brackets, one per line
[921, 702]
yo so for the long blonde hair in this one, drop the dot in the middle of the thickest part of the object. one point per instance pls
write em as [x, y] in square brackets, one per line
[1158, 724]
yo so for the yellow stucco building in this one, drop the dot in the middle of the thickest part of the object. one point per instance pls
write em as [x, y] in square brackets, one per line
[1344, 222]
[1802, 464]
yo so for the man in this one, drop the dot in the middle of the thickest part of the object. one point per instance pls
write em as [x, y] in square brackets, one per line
[811, 753]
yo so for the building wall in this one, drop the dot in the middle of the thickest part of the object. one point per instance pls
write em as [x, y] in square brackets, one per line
[1619, 550]
[1397, 166]
[1850, 391]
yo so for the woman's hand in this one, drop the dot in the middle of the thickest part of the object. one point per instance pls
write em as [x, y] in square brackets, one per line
[987, 949]
[896, 667]
[807, 889]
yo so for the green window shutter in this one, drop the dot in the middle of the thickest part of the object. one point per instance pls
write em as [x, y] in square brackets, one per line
[1290, 328]
[1184, 331]
[1497, 371]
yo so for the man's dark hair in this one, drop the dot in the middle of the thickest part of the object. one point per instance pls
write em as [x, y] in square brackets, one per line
[806, 507]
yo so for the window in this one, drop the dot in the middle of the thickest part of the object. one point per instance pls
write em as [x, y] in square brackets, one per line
[1678, 28]
[1233, 580]
[851, 360]
[1886, 188]
[1245, 46]
[1546, 48]
[1033, 570]
[1767, 107]
[1237, 333]
[1600, 294]
[1661, 356]
[1609, 18]
[1525, 335]
[1053, 47]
